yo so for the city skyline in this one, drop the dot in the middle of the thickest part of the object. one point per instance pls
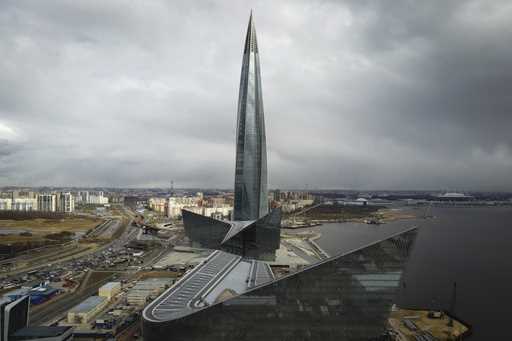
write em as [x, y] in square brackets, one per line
[361, 96]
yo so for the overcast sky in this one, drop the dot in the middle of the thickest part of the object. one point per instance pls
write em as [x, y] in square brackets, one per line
[357, 94]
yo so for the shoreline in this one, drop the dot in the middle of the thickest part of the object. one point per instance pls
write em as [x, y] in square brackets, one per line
[310, 232]
[382, 216]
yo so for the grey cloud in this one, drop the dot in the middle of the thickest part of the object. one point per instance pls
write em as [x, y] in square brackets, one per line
[358, 94]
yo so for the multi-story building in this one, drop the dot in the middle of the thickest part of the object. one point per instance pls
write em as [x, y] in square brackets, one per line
[251, 200]
[81, 197]
[47, 202]
[218, 212]
[96, 198]
[294, 205]
[66, 203]
[24, 204]
[23, 194]
[254, 230]
[175, 204]
[158, 205]
[5, 204]
[13, 316]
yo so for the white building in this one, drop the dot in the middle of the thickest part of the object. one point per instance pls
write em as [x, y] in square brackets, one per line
[66, 203]
[109, 290]
[85, 311]
[219, 212]
[158, 204]
[147, 289]
[96, 198]
[5, 204]
[294, 205]
[24, 204]
[47, 202]
[176, 204]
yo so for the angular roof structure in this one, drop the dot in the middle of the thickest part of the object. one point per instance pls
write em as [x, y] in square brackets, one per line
[346, 297]
[241, 237]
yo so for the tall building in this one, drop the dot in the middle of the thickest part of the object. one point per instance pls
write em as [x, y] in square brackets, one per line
[251, 152]
[13, 316]
[347, 297]
[66, 203]
[254, 232]
[47, 202]
[233, 296]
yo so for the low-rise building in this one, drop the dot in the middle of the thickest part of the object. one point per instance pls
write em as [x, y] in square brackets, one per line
[84, 312]
[144, 290]
[38, 295]
[43, 333]
[109, 290]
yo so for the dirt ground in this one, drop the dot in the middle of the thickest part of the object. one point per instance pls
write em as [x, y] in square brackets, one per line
[74, 224]
[40, 227]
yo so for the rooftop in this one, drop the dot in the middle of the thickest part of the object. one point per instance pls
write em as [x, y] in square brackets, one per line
[220, 276]
[88, 304]
[42, 331]
[110, 285]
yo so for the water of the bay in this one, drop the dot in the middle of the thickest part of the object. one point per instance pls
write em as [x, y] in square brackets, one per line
[470, 246]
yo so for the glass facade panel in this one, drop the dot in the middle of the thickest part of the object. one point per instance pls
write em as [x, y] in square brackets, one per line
[347, 297]
[204, 231]
[258, 239]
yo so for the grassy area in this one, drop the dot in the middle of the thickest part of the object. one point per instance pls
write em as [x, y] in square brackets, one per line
[94, 277]
[340, 212]
[39, 232]
[48, 225]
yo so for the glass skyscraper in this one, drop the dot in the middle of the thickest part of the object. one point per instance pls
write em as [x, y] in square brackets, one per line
[254, 231]
[230, 296]
[251, 200]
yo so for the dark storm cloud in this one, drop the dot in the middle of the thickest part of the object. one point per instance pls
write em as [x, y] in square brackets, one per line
[359, 94]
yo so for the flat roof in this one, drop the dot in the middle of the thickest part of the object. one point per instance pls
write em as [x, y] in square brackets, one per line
[88, 304]
[41, 331]
[110, 285]
[219, 275]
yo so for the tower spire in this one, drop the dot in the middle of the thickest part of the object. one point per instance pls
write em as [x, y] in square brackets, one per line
[251, 45]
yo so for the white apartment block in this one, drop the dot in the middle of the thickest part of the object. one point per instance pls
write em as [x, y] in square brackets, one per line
[24, 204]
[97, 198]
[221, 212]
[5, 204]
[176, 204]
[47, 202]
[158, 204]
[66, 203]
